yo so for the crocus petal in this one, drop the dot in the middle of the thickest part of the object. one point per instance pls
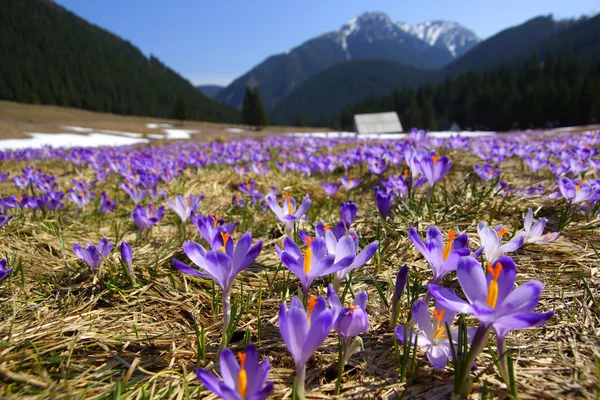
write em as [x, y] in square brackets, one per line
[449, 299]
[195, 252]
[209, 380]
[230, 368]
[187, 269]
[523, 299]
[361, 299]
[437, 356]
[506, 279]
[472, 279]
[513, 244]
[422, 318]
[318, 331]
[510, 323]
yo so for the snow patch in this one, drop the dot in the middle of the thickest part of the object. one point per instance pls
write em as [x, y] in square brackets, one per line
[156, 126]
[40, 140]
[179, 133]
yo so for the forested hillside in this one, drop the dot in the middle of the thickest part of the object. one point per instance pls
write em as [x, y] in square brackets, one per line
[558, 90]
[49, 55]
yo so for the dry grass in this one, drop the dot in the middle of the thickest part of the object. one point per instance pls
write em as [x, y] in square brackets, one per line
[16, 119]
[66, 335]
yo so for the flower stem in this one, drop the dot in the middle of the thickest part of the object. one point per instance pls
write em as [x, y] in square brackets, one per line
[226, 318]
[300, 377]
[479, 342]
[502, 359]
[340, 365]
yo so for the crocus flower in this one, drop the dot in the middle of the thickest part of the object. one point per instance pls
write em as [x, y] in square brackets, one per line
[493, 299]
[442, 258]
[383, 201]
[146, 217]
[330, 188]
[401, 280]
[248, 187]
[315, 262]
[433, 335]
[222, 263]
[81, 198]
[349, 321]
[4, 219]
[576, 192]
[106, 205]
[350, 183]
[246, 379]
[345, 250]
[127, 257]
[4, 176]
[433, 168]
[486, 172]
[4, 270]
[303, 332]
[136, 194]
[288, 214]
[535, 234]
[93, 255]
[211, 226]
[184, 207]
[348, 211]
[490, 241]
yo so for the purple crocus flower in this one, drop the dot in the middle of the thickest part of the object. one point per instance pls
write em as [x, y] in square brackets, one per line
[92, 255]
[345, 249]
[303, 332]
[349, 183]
[248, 187]
[535, 234]
[490, 242]
[81, 198]
[5, 270]
[486, 172]
[314, 264]
[321, 229]
[433, 168]
[576, 192]
[246, 379]
[289, 214]
[433, 335]
[348, 211]
[442, 258]
[54, 200]
[4, 176]
[4, 219]
[401, 280]
[330, 188]
[146, 217]
[493, 299]
[184, 207]
[222, 263]
[136, 194]
[383, 201]
[127, 257]
[349, 321]
[106, 205]
[211, 226]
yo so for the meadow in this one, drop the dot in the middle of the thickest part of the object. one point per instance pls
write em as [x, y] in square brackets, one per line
[460, 266]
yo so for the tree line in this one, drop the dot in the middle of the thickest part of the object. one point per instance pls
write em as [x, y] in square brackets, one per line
[555, 90]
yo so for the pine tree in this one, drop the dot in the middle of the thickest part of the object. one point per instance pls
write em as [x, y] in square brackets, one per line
[180, 110]
[253, 111]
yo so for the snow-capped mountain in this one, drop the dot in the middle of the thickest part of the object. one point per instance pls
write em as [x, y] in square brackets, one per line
[451, 35]
[372, 35]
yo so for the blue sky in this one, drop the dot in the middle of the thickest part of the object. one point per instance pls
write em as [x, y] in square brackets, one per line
[216, 41]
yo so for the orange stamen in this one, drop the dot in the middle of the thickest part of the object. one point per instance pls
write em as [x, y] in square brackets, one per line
[225, 237]
[242, 376]
[216, 221]
[288, 197]
[308, 255]
[501, 232]
[492, 296]
[406, 173]
[312, 302]
[439, 328]
[326, 227]
[435, 159]
[448, 246]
